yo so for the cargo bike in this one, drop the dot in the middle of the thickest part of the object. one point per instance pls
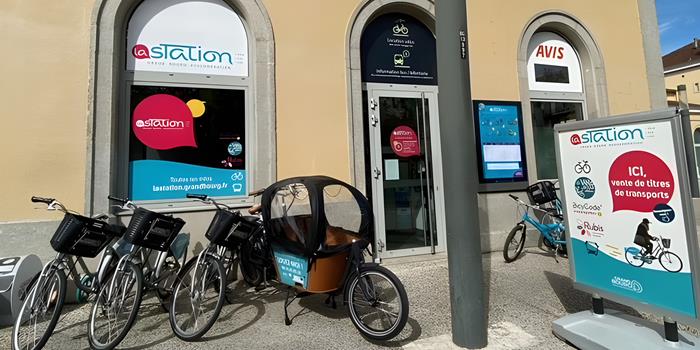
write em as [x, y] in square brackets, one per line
[308, 234]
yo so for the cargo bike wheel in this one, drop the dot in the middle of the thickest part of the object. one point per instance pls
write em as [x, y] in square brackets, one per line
[40, 311]
[198, 297]
[377, 302]
[116, 307]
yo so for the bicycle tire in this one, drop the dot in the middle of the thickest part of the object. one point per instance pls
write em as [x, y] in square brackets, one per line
[163, 291]
[402, 315]
[253, 274]
[138, 280]
[661, 261]
[517, 230]
[183, 277]
[631, 260]
[60, 299]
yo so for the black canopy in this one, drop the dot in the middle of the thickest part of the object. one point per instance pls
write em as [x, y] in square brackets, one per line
[316, 215]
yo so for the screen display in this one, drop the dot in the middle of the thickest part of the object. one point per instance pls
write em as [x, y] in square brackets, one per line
[500, 141]
[547, 73]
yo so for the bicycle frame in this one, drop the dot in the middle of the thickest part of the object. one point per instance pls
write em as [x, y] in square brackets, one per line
[546, 230]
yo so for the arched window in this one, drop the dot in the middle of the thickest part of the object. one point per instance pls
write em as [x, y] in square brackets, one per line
[556, 91]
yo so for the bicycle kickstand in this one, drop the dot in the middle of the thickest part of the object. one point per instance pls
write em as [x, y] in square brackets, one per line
[287, 302]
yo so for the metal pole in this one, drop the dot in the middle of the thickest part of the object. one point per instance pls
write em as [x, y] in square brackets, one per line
[469, 328]
[688, 141]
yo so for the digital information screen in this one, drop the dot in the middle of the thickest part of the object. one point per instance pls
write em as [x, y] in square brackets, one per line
[499, 134]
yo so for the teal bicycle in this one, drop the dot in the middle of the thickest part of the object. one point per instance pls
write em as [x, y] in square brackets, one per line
[549, 221]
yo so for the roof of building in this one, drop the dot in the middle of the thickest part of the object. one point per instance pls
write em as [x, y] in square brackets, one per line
[685, 57]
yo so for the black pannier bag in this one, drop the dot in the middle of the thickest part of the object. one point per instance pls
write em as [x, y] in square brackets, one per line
[316, 216]
[152, 230]
[230, 228]
[542, 192]
[83, 236]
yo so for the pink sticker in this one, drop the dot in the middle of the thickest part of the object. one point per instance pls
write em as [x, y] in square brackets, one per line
[163, 122]
[140, 51]
[404, 142]
[639, 181]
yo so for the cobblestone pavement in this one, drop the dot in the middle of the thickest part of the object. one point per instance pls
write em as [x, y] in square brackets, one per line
[523, 298]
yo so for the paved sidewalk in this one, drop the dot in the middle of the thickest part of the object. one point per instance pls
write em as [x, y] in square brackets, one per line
[524, 298]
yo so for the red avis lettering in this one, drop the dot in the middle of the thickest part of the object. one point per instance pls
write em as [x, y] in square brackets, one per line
[639, 181]
[545, 51]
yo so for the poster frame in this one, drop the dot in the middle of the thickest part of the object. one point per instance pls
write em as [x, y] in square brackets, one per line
[673, 117]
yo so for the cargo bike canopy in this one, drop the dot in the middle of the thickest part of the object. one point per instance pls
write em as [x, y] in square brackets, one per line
[316, 216]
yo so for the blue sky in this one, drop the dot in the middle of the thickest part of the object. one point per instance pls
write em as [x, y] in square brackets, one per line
[679, 23]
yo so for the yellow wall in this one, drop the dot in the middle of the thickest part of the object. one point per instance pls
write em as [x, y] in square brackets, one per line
[689, 78]
[45, 87]
[44, 91]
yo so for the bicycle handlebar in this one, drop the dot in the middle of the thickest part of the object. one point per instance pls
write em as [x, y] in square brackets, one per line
[117, 199]
[257, 193]
[201, 197]
[512, 196]
[46, 201]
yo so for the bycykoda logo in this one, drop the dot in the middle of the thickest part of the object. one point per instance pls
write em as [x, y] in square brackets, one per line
[163, 122]
[585, 188]
[627, 284]
[187, 53]
[608, 135]
[587, 208]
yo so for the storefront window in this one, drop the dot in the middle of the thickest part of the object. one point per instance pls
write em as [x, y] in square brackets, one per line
[544, 116]
[186, 140]
[187, 79]
[696, 140]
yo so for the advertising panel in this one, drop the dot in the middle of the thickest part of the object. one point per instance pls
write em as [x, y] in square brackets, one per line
[398, 49]
[631, 234]
[185, 36]
[186, 140]
[499, 136]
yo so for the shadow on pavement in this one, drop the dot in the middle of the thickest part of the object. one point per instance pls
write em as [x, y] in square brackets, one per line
[574, 300]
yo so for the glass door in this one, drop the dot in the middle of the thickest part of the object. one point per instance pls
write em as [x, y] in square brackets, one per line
[403, 141]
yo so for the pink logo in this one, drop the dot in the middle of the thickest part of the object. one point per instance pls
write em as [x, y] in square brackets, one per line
[163, 122]
[639, 181]
[404, 142]
[140, 51]
[575, 139]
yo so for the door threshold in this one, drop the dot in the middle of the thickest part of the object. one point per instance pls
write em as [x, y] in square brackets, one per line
[414, 258]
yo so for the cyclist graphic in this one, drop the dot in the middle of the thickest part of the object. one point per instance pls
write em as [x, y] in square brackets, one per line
[643, 238]
[400, 28]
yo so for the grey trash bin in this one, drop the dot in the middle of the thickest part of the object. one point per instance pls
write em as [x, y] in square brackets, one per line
[15, 274]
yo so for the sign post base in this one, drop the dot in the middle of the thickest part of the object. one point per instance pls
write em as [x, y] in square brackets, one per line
[617, 330]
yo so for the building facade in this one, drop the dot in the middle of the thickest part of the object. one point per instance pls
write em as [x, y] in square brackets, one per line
[153, 99]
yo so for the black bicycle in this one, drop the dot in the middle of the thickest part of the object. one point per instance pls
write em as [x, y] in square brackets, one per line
[77, 237]
[149, 264]
[201, 287]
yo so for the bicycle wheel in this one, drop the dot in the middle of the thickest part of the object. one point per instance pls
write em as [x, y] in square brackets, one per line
[167, 280]
[515, 242]
[40, 312]
[377, 302]
[670, 261]
[253, 274]
[198, 297]
[633, 259]
[116, 307]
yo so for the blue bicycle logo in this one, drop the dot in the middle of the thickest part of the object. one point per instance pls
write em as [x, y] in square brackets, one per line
[235, 148]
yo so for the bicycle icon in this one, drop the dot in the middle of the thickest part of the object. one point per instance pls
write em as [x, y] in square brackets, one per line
[582, 167]
[237, 176]
[670, 261]
[400, 28]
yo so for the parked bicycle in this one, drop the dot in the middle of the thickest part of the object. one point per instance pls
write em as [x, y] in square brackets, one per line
[547, 205]
[149, 264]
[311, 237]
[77, 237]
[201, 286]
[669, 260]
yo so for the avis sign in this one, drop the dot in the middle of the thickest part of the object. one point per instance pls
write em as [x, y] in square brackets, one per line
[633, 177]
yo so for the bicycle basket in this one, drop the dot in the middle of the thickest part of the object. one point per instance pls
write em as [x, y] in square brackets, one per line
[666, 242]
[83, 236]
[541, 192]
[230, 228]
[152, 230]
